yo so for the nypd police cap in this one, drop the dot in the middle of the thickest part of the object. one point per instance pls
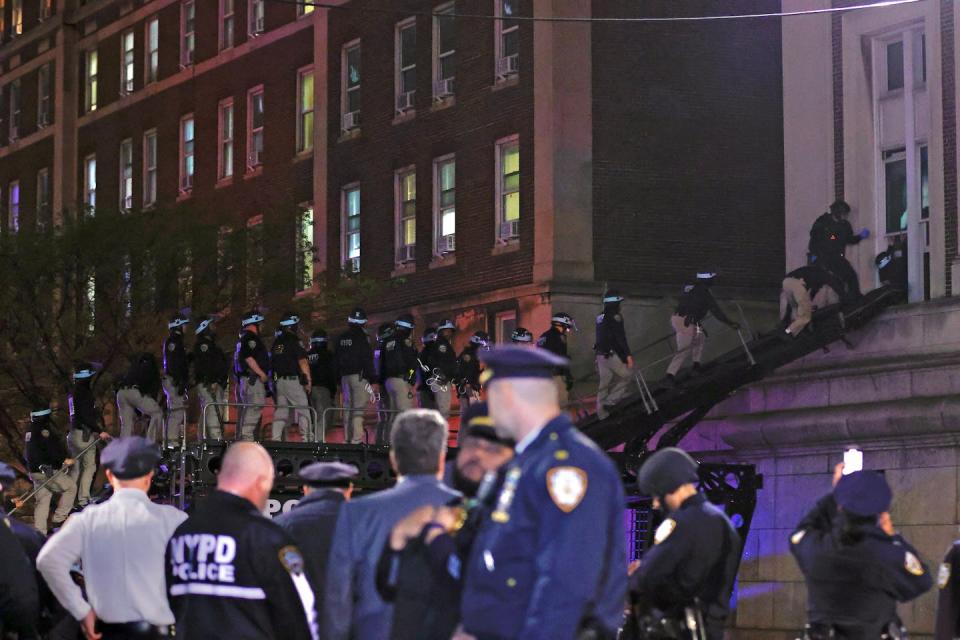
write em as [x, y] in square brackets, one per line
[520, 362]
[328, 474]
[477, 423]
[130, 457]
[666, 471]
[863, 493]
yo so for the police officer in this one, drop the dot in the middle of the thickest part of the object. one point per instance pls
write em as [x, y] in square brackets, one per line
[554, 340]
[689, 572]
[19, 593]
[948, 601]
[696, 301]
[46, 456]
[231, 573]
[250, 364]
[385, 333]
[311, 523]
[176, 377]
[892, 264]
[561, 498]
[469, 370]
[521, 336]
[804, 290]
[138, 391]
[424, 389]
[398, 366]
[830, 236]
[211, 371]
[857, 567]
[355, 366]
[444, 367]
[323, 376]
[614, 360]
[86, 425]
[291, 379]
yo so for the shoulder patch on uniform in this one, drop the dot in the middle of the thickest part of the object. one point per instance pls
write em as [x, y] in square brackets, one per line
[912, 564]
[45, 433]
[204, 348]
[252, 344]
[618, 318]
[29, 434]
[408, 342]
[442, 348]
[663, 532]
[291, 559]
[567, 486]
[466, 357]
[171, 346]
[943, 576]
[600, 318]
[798, 536]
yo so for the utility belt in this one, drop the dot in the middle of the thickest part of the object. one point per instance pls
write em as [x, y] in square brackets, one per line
[653, 624]
[286, 377]
[893, 630]
[139, 630]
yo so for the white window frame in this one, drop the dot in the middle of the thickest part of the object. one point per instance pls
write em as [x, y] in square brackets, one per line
[16, 109]
[188, 39]
[90, 80]
[442, 87]
[345, 258]
[405, 97]
[501, 146]
[127, 64]
[345, 90]
[16, 18]
[44, 95]
[305, 143]
[501, 319]
[402, 255]
[304, 249]
[499, 35]
[126, 174]
[90, 184]
[225, 139]
[256, 17]
[46, 10]
[13, 206]
[227, 22]
[150, 167]
[43, 196]
[188, 127]
[438, 209]
[253, 164]
[151, 58]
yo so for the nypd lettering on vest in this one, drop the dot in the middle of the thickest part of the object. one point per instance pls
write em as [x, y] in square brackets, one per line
[203, 557]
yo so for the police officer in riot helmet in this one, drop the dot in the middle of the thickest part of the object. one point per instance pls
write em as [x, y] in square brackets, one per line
[398, 367]
[323, 375]
[354, 358]
[385, 334]
[138, 391]
[521, 337]
[686, 578]
[46, 455]
[444, 366]
[291, 379]
[211, 372]
[86, 426]
[426, 378]
[176, 377]
[469, 370]
[554, 340]
[250, 365]
[830, 236]
[614, 359]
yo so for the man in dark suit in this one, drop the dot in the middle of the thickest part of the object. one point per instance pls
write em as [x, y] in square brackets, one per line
[311, 523]
[352, 606]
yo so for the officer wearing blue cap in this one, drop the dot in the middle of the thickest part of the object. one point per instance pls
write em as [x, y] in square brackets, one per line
[693, 564]
[48, 462]
[548, 561]
[120, 544]
[354, 357]
[444, 366]
[86, 425]
[323, 375]
[291, 380]
[857, 567]
[211, 372]
[311, 523]
[468, 371]
[398, 364]
[250, 365]
[614, 359]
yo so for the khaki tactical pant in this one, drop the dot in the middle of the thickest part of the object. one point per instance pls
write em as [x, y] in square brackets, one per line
[131, 399]
[290, 393]
[443, 400]
[614, 382]
[321, 400]
[355, 398]
[253, 393]
[176, 409]
[562, 394]
[85, 466]
[215, 416]
[690, 342]
[63, 485]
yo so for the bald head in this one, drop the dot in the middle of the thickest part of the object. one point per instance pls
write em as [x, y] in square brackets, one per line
[247, 472]
[521, 405]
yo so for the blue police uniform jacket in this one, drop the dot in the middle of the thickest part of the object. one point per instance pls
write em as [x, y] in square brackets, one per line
[551, 553]
[855, 586]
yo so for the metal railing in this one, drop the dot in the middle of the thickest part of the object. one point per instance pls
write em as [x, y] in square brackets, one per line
[202, 427]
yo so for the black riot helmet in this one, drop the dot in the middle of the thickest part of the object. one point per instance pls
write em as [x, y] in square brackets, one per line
[611, 300]
[289, 321]
[177, 321]
[404, 323]
[319, 336]
[41, 413]
[205, 326]
[480, 338]
[358, 317]
[83, 371]
[521, 335]
[563, 321]
[385, 331]
[666, 471]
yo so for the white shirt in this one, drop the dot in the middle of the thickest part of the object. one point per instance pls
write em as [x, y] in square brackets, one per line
[121, 544]
[527, 440]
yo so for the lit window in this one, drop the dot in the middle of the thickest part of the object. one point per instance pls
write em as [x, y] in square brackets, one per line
[43, 198]
[126, 175]
[46, 9]
[255, 14]
[90, 81]
[226, 24]
[507, 30]
[3, 24]
[895, 187]
[15, 103]
[895, 65]
[445, 204]
[13, 208]
[44, 93]
[444, 52]
[350, 86]
[90, 184]
[149, 168]
[254, 258]
[406, 64]
[255, 128]
[304, 250]
[305, 110]
[406, 215]
[186, 153]
[508, 188]
[90, 302]
[126, 64]
[225, 143]
[506, 322]
[350, 229]
[304, 9]
[16, 17]
[188, 39]
[152, 57]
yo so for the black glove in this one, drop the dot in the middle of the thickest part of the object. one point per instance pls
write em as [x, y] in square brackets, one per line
[735, 326]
